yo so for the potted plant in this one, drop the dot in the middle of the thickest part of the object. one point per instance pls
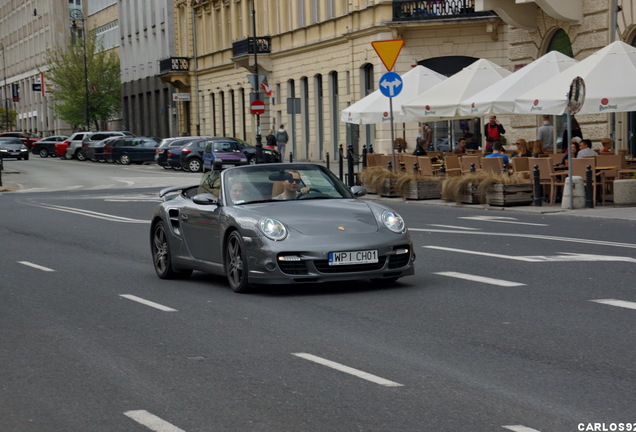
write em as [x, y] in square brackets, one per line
[414, 186]
[378, 180]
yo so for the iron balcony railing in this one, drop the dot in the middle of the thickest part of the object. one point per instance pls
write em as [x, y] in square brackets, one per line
[419, 10]
[174, 64]
[246, 46]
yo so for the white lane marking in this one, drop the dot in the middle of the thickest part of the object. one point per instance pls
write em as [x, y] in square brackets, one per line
[519, 428]
[501, 219]
[619, 303]
[486, 280]
[148, 303]
[455, 227]
[531, 236]
[93, 214]
[151, 421]
[36, 266]
[346, 369]
[565, 256]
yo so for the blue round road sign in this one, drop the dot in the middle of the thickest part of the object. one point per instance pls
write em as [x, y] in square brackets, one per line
[391, 84]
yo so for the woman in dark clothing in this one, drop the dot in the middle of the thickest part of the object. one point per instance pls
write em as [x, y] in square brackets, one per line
[576, 132]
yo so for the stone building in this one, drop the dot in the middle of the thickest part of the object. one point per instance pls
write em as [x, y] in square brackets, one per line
[319, 54]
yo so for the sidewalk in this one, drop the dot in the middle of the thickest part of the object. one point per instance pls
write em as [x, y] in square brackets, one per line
[606, 211]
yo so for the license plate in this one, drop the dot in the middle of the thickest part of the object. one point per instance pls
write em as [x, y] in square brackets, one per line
[353, 257]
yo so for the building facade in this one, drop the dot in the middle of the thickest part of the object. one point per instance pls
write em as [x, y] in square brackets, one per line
[28, 28]
[317, 59]
[146, 40]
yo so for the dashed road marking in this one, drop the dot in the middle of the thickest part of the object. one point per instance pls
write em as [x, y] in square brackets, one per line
[618, 303]
[563, 257]
[519, 428]
[36, 266]
[147, 303]
[151, 421]
[346, 369]
[482, 279]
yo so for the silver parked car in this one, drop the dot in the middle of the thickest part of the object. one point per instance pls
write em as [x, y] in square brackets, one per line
[277, 224]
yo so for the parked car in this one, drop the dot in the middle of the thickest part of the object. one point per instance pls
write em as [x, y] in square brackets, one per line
[168, 145]
[191, 157]
[68, 148]
[12, 147]
[46, 146]
[95, 137]
[95, 150]
[25, 137]
[127, 150]
[215, 147]
[252, 236]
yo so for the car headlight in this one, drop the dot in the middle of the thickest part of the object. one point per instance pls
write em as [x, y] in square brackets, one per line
[393, 221]
[273, 229]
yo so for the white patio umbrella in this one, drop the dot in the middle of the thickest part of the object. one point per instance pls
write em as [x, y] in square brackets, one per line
[609, 85]
[374, 108]
[443, 100]
[499, 98]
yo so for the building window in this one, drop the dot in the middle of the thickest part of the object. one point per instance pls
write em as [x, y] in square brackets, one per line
[320, 114]
[335, 118]
[560, 42]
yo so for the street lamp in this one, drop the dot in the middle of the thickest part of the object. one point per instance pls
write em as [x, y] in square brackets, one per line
[259, 144]
[77, 14]
[6, 103]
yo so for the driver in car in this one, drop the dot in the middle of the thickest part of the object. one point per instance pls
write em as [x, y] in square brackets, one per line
[291, 186]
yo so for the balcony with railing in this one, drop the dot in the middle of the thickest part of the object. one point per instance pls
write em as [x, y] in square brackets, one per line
[421, 10]
[247, 46]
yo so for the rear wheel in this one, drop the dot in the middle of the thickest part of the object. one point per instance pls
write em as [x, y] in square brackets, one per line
[80, 156]
[195, 165]
[161, 256]
[235, 264]
[124, 159]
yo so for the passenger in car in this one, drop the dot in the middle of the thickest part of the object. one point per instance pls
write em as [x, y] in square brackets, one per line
[291, 186]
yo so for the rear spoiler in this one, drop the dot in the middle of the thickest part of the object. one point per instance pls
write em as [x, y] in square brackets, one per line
[167, 190]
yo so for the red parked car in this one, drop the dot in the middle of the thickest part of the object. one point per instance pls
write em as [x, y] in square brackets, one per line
[60, 148]
[27, 138]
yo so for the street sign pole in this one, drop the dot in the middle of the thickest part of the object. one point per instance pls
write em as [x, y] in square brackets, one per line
[388, 52]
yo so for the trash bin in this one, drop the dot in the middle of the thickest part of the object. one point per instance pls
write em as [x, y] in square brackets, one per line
[578, 193]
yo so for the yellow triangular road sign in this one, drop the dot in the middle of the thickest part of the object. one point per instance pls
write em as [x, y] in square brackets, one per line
[388, 51]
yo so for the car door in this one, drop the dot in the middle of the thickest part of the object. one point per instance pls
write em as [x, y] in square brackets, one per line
[200, 225]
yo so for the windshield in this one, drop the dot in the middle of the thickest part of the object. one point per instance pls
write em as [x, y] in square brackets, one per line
[278, 182]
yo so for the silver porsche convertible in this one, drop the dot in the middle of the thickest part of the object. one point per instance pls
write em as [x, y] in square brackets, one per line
[274, 224]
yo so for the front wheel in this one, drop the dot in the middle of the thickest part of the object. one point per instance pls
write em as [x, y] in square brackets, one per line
[161, 255]
[80, 156]
[235, 264]
[43, 153]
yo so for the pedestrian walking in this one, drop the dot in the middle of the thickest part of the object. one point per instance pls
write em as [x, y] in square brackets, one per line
[281, 141]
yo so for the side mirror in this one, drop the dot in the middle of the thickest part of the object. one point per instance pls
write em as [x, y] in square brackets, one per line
[205, 199]
[358, 191]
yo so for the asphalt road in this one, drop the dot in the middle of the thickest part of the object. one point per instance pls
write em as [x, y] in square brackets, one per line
[524, 323]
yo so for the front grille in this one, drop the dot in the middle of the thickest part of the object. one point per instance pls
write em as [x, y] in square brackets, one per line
[323, 267]
[293, 267]
[399, 261]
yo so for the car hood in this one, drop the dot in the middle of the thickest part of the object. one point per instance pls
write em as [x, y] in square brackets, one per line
[322, 216]
[15, 146]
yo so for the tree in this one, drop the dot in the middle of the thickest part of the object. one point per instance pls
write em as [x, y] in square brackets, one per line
[3, 119]
[67, 77]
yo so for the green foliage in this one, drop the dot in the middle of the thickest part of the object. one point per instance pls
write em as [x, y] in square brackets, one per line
[67, 77]
[3, 119]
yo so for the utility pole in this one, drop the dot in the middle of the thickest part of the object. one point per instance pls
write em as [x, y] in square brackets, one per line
[78, 14]
[6, 99]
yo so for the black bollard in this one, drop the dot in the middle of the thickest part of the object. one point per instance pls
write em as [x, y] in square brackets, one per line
[327, 159]
[340, 163]
[472, 167]
[589, 188]
[351, 181]
[371, 148]
[442, 169]
[364, 156]
[536, 187]
[416, 168]
[291, 157]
